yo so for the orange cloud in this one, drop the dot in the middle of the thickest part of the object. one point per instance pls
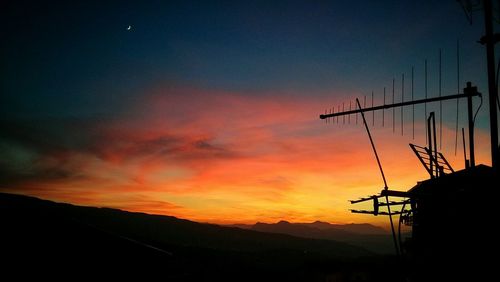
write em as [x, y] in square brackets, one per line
[219, 157]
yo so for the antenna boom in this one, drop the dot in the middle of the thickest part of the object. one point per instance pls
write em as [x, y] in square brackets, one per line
[402, 104]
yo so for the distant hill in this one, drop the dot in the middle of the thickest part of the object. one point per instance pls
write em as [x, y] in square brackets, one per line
[59, 238]
[358, 228]
[365, 235]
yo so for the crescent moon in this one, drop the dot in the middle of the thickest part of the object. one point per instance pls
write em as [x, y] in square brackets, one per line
[129, 27]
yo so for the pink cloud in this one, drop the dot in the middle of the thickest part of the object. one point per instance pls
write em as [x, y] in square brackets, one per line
[221, 156]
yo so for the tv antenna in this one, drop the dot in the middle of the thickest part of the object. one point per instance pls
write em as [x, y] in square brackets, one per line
[434, 161]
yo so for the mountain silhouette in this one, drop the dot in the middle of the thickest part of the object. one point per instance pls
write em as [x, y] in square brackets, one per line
[365, 235]
[54, 239]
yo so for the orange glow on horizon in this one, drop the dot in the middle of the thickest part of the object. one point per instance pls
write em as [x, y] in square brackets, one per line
[236, 159]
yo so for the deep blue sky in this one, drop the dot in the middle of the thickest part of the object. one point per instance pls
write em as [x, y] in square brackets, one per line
[77, 57]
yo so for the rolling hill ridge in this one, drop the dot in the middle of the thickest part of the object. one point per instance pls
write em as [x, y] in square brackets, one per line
[59, 238]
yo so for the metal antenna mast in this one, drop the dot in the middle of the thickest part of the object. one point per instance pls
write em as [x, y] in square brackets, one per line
[489, 39]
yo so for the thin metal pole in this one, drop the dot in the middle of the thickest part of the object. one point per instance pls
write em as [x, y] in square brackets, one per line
[343, 117]
[349, 116]
[402, 100]
[493, 91]
[468, 90]
[356, 117]
[338, 111]
[413, 106]
[435, 145]
[373, 146]
[383, 177]
[393, 112]
[440, 107]
[429, 140]
[465, 151]
[425, 105]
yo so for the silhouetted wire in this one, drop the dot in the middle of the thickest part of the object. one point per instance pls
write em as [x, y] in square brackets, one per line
[477, 111]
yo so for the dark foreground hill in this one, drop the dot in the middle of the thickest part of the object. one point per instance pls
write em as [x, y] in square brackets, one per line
[53, 240]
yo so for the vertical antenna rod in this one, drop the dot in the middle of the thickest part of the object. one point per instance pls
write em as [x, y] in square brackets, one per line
[429, 136]
[465, 151]
[343, 117]
[469, 90]
[393, 112]
[425, 105]
[349, 116]
[338, 110]
[435, 145]
[413, 106]
[402, 100]
[489, 40]
[356, 116]
[440, 107]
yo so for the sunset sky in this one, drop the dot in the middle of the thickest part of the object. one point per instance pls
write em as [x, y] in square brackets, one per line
[209, 110]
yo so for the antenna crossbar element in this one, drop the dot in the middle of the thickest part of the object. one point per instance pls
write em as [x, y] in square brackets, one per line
[469, 92]
[430, 162]
[384, 194]
[365, 199]
[402, 104]
[394, 193]
[379, 213]
[394, 203]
